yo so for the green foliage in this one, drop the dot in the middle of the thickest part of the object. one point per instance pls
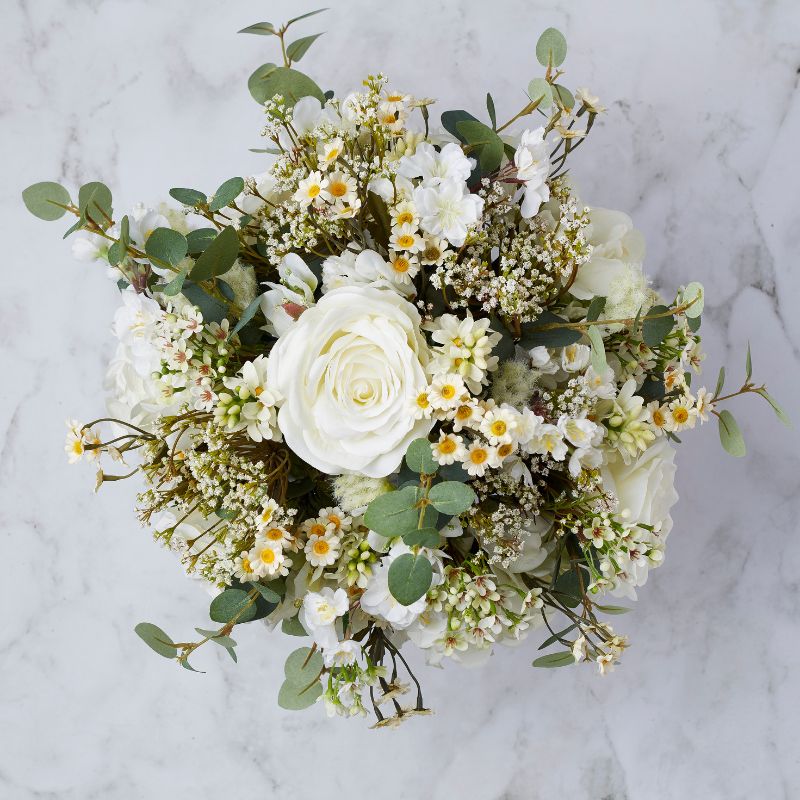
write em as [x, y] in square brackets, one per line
[247, 315]
[491, 109]
[613, 609]
[419, 457]
[175, 286]
[563, 97]
[720, 382]
[94, 203]
[226, 193]
[551, 49]
[218, 257]
[265, 83]
[451, 497]
[748, 365]
[410, 576]
[596, 308]
[293, 627]
[533, 336]
[654, 331]
[694, 294]
[562, 659]
[156, 639]
[305, 16]
[779, 412]
[423, 537]
[393, 513]
[730, 435]
[212, 309]
[485, 144]
[189, 197]
[166, 245]
[599, 363]
[297, 49]
[230, 603]
[302, 686]
[260, 29]
[539, 89]
[270, 595]
[45, 200]
[199, 239]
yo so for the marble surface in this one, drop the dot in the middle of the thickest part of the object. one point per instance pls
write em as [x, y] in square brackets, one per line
[700, 145]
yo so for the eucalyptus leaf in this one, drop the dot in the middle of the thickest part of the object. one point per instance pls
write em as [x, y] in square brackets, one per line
[156, 639]
[211, 308]
[451, 497]
[533, 336]
[218, 257]
[599, 362]
[423, 537]
[730, 435]
[393, 513]
[551, 49]
[562, 659]
[302, 667]
[217, 638]
[292, 85]
[229, 603]
[450, 120]
[94, 203]
[654, 331]
[487, 145]
[268, 594]
[297, 49]
[294, 698]
[256, 80]
[694, 294]
[247, 315]
[419, 457]
[167, 245]
[44, 200]
[410, 576]
[293, 627]
[595, 308]
[563, 97]
[260, 29]
[226, 193]
[175, 286]
[539, 89]
[188, 197]
[199, 239]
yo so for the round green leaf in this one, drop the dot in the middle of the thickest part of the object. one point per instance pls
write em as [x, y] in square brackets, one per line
[487, 145]
[730, 435]
[269, 80]
[226, 193]
[199, 239]
[563, 96]
[563, 659]
[539, 87]
[302, 667]
[294, 698]
[189, 197]
[94, 202]
[551, 49]
[225, 606]
[654, 331]
[410, 576]
[218, 257]
[44, 200]
[692, 291]
[167, 245]
[451, 497]
[423, 537]
[419, 457]
[393, 513]
[156, 639]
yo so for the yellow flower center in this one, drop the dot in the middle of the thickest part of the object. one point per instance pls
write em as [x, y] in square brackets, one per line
[448, 391]
[314, 190]
[258, 391]
[338, 189]
[317, 529]
[336, 520]
[658, 418]
[505, 450]
[401, 264]
[478, 456]
[422, 400]
[321, 547]
[464, 412]
[680, 415]
[405, 218]
[394, 98]
[77, 447]
[274, 534]
[267, 555]
[389, 119]
[499, 427]
[246, 565]
[405, 241]
[447, 446]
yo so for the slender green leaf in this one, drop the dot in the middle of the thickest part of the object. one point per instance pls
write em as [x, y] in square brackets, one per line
[247, 315]
[599, 363]
[613, 609]
[596, 308]
[156, 639]
[720, 382]
[748, 366]
[217, 638]
[260, 29]
[557, 636]
[45, 200]
[562, 659]
[410, 576]
[305, 16]
[730, 435]
[491, 109]
[226, 194]
[297, 49]
[779, 412]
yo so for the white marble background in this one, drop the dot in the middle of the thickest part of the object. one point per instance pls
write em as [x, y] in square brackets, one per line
[700, 145]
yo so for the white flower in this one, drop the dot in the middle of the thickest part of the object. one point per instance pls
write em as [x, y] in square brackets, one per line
[533, 166]
[267, 560]
[463, 346]
[703, 404]
[480, 457]
[285, 301]
[575, 357]
[252, 406]
[330, 151]
[448, 210]
[346, 370]
[605, 663]
[77, 439]
[600, 386]
[449, 449]
[366, 268]
[135, 325]
[591, 101]
[310, 189]
[406, 237]
[580, 432]
[499, 425]
[435, 167]
[335, 516]
[404, 213]
[322, 551]
[90, 247]
[341, 189]
[341, 654]
[548, 441]
[404, 267]
[319, 613]
[682, 414]
[446, 391]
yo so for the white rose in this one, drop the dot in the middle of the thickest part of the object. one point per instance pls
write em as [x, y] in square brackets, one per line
[346, 369]
[646, 487]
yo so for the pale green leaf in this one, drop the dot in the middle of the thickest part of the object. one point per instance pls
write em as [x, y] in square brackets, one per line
[45, 200]
[551, 49]
[451, 497]
[730, 435]
[156, 639]
[562, 659]
[410, 576]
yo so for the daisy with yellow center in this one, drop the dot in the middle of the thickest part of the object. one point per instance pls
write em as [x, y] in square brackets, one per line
[466, 415]
[449, 449]
[404, 267]
[420, 405]
[276, 534]
[447, 392]
[336, 517]
[310, 189]
[703, 404]
[404, 213]
[315, 527]
[499, 424]
[267, 560]
[268, 510]
[322, 551]
[659, 417]
[406, 237]
[433, 251]
[330, 151]
[341, 189]
[681, 414]
[479, 457]
[242, 568]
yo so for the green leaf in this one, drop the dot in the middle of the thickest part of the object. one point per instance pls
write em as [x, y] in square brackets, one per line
[297, 49]
[654, 331]
[293, 627]
[305, 16]
[419, 457]
[247, 315]
[265, 83]
[563, 97]
[748, 366]
[451, 497]
[199, 239]
[211, 308]
[410, 576]
[540, 88]
[562, 659]
[156, 639]
[217, 638]
[423, 537]
[551, 49]
[557, 337]
[44, 200]
[692, 291]
[720, 382]
[779, 412]
[294, 698]
[218, 257]
[175, 286]
[730, 435]
[165, 244]
[595, 308]
[268, 594]
[487, 145]
[450, 120]
[694, 323]
[556, 636]
[226, 194]
[119, 249]
[260, 29]
[599, 363]
[569, 587]
[491, 109]
[302, 666]
[613, 609]
[189, 197]
[393, 513]
[225, 606]
[94, 203]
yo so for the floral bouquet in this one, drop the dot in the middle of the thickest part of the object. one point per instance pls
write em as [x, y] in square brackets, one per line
[404, 386]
